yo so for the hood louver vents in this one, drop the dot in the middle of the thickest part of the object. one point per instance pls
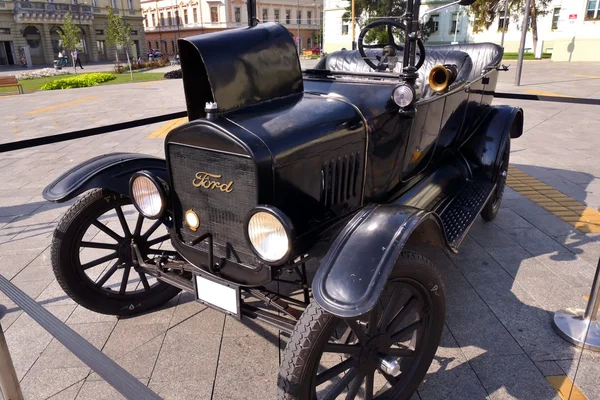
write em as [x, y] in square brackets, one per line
[340, 179]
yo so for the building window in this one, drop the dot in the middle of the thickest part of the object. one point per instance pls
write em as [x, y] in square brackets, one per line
[265, 17]
[173, 46]
[276, 15]
[130, 4]
[133, 33]
[309, 17]
[113, 3]
[98, 32]
[185, 17]
[593, 9]
[309, 43]
[149, 44]
[299, 17]
[153, 19]
[214, 14]
[288, 16]
[238, 15]
[344, 28]
[162, 19]
[195, 13]
[94, 3]
[455, 28]
[145, 20]
[555, 16]
[503, 23]
[169, 20]
[156, 43]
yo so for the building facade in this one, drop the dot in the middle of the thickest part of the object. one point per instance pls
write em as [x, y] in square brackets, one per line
[35, 24]
[167, 20]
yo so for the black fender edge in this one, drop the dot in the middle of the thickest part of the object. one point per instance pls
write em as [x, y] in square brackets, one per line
[356, 268]
[108, 171]
[482, 150]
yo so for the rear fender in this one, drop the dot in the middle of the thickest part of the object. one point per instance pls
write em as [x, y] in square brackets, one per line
[483, 148]
[356, 268]
[108, 171]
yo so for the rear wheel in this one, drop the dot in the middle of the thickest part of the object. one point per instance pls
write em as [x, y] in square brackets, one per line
[490, 210]
[384, 354]
[92, 258]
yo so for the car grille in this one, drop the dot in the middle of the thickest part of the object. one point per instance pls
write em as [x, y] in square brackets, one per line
[221, 213]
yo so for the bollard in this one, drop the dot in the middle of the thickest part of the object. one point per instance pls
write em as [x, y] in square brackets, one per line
[581, 327]
[9, 383]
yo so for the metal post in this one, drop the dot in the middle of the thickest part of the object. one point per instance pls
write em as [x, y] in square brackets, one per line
[522, 48]
[580, 327]
[457, 23]
[504, 24]
[353, 37]
[9, 383]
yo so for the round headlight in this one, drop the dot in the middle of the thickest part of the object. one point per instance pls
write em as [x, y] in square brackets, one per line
[403, 95]
[269, 233]
[147, 194]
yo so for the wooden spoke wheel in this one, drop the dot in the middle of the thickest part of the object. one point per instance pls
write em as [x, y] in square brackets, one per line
[490, 210]
[92, 255]
[382, 355]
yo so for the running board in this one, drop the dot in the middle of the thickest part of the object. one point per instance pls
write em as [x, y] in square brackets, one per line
[459, 215]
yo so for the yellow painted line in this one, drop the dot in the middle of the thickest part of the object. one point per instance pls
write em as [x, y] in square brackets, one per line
[571, 211]
[587, 76]
[540, 93]
[565, 388]
[69, 103]
[166, 128]
[147, 83]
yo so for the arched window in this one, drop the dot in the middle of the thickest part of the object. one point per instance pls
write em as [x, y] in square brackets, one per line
[173, 46]
[156, 42]
[309, 43]
[149, 44]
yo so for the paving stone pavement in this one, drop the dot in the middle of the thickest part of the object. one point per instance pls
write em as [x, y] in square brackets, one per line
[502, 288]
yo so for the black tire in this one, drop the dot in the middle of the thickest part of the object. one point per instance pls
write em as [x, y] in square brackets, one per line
[67, 245]
[491, 208]
[299, 368]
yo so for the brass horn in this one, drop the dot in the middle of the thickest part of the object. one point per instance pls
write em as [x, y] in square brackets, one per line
[441, 76]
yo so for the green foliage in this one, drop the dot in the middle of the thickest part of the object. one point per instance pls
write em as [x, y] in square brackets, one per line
[366, 11]
[119, 69]
[69, 33]
[485, 11]
[84, 80]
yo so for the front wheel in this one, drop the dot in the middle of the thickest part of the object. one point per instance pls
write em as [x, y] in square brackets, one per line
[92, 258]
[384, 354]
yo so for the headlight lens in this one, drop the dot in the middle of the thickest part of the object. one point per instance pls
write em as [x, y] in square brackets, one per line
[403, 95]
[147, 196]
[268, 236]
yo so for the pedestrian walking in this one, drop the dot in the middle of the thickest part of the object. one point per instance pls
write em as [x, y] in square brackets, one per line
[76, 59]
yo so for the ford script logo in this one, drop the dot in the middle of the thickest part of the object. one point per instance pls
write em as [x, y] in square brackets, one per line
[209, 181]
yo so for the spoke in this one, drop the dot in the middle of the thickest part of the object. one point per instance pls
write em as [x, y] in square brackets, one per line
[144, 280]
[391, 380]
[369, 386]
[342, 348]
[406, 330]
[100, 260]
[334, 371]
[393, 325]
[151, 230]
[158, 240]
[356, 328]
[396, 352]
[107, 275]
[387, 312]
[138, 225]
[354, 387]
[107, 230]
[123, 222]
[341, 385]
[96, 245]
[345, 336]
[125, 279]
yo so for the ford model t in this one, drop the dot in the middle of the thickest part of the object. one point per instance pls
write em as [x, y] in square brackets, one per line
[349, 164]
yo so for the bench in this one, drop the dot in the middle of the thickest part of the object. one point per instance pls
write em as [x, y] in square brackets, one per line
[7, 81]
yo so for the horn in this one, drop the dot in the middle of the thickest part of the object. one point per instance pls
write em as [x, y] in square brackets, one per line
[441, 76]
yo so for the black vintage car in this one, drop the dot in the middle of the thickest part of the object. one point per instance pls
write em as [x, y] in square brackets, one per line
[349, 164]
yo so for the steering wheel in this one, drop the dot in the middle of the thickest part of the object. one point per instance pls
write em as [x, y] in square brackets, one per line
[390, 23]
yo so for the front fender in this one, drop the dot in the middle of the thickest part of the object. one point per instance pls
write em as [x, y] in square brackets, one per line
[356, 268]
[108, 171]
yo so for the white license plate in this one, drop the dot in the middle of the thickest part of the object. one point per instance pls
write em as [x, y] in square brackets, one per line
[217, 295]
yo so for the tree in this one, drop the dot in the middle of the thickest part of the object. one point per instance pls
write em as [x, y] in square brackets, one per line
[70, 35]
[118, 34]
[485, 11]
